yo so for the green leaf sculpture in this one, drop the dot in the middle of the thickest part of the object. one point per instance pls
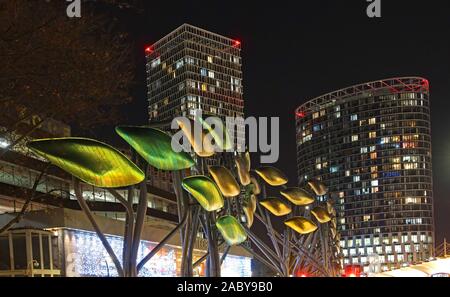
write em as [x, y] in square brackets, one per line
[91, 161]
[272, 176]
[219, 132]
[297, 196]
[155, 147]
[231, 230]
[205, 191]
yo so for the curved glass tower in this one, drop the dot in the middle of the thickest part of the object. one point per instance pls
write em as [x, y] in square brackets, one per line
[371, 145]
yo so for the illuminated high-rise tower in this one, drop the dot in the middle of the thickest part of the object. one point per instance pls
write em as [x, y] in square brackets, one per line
[191, 69]
[371, 145]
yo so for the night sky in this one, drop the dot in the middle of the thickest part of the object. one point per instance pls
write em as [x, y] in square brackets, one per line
[294, 51]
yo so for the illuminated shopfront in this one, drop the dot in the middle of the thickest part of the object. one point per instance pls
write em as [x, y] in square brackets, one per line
[85, 256]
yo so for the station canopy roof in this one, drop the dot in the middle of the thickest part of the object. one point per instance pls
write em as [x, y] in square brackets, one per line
[440, 266]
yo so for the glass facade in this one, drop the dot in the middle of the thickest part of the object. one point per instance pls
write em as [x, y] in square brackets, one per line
[24, 177]
[191, 70]
[371, 145]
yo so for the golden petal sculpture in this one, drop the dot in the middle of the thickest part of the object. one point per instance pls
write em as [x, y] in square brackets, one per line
[272, 176]
[330, 208]
[276, 206]
[219, 132]
[243, 170]
[249, 214]
[253, 202]
[333, 232]
[318, 187]
[225, 180]
[321, 214]
[247, 160]
[231, 230]
[155, 147]
[256, 188]
[196, 137]
[301, 225]
[298, 196]
[205, 191]
[91, 161]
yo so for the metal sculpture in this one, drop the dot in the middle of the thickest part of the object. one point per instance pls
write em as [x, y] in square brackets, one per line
[222, 202]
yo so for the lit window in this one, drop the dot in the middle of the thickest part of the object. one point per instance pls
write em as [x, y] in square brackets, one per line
[409, 166]
[373, 155]
[364, 150]
[307, 138]
[397, 166]
[356, 178]
[204, 87]
[156, 62]
[366, 219]
[190, 60]
[334, 169]
[354, 117]
[374, 183]
[347, 173]
[203, 72]
[354, 138]
[315, 115]
[210, 59]
[350, 243]
[410, 200]
[211, 74]
[179, 64]
[372, 134]
[372, 121]
[410, 145]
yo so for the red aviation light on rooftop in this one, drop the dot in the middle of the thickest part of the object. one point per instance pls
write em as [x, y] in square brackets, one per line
[236, 43]
[300, 114]
[149, 50]
[426, 84]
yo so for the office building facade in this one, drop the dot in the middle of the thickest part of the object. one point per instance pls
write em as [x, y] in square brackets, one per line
[192, 71]
[371, 145]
